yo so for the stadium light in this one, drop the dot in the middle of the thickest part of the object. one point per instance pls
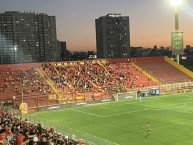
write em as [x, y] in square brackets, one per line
[176, 3]
[176, 43]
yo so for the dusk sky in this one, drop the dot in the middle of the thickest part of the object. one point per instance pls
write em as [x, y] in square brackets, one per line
[151, 21]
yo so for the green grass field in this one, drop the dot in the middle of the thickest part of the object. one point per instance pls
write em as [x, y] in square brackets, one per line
[124, 122]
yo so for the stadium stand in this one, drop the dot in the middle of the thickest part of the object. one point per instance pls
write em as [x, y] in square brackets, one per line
[163, 71]
[48, 84]
[23, 82]
[171, 76]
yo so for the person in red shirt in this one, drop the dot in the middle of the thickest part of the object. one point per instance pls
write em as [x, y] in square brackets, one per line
[2, 135]
[8, 130]
[8, 133]
[20, 138]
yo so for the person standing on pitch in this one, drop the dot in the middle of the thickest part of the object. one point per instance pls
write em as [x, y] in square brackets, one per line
[148, 127]
[139, 95]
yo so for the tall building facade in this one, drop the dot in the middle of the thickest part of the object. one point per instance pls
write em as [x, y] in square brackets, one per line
[112, 36]
[63, 50]
[27, 37]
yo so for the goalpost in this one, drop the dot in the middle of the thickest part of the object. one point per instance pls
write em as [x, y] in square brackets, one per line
[125, 95]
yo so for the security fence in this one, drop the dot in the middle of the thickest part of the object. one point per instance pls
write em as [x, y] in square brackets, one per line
[73, 134]
[176, 86]
[70, 132]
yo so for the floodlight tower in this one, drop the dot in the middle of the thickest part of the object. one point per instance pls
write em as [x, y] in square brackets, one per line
[176, 4]
[177, 37]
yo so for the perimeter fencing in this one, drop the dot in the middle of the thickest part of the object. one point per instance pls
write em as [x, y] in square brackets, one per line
[70, 132]
[73, 134]
[176, 86]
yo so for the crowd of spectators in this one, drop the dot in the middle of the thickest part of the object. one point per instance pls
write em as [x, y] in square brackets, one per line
[88, 77]
[80, 78]
[97, 80]
[18, 131]
[27, 79]
[128, 76]
[18, 82]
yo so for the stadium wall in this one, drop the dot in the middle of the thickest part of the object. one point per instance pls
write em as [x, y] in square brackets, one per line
[82, 62]
[147, 59]
[118, 60]
[20, 66]
[59, 106]
[136, 60]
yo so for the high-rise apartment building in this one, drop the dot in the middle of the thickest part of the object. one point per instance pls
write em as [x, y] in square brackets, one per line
[27, 37]
[112, 36]
[63, 50]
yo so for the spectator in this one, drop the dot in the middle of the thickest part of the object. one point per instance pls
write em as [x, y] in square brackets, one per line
[2, 135]
[20, 138]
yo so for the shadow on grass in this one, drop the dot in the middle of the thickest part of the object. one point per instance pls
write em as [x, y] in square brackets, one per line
[147, 133]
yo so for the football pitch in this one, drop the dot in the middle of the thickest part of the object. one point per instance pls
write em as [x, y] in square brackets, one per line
[124, 122]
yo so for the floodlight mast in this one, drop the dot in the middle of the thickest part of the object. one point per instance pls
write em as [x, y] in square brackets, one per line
[176, 19]
[176, 4]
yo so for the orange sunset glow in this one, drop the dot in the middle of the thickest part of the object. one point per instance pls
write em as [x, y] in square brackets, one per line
[151, 21]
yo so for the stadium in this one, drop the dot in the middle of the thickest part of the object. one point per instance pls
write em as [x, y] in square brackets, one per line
[99, 102]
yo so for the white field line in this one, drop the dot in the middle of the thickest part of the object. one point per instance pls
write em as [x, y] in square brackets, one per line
[92, 114]
[160, 108]
[156, 108]
[147, 99]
